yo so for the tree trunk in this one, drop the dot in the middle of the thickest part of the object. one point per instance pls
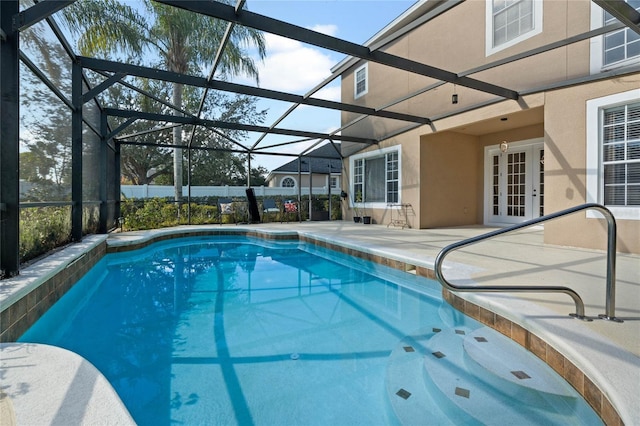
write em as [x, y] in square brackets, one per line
[177, 140]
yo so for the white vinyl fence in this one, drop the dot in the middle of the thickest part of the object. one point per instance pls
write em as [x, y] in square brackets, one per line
[151, 191]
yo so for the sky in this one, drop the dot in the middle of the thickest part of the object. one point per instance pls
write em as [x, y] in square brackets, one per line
[295, 67]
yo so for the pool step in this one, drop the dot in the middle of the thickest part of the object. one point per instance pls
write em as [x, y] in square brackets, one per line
[505, 363]
[477, 377]
[410, 400]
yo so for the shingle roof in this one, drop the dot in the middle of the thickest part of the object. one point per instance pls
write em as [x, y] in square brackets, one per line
[318, 165]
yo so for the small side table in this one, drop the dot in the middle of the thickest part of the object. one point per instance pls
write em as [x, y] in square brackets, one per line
[401, 219]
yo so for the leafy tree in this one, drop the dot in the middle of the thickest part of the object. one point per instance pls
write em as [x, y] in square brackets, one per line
[183, 41]
[45, 137]
[259, 176]
[215, 166]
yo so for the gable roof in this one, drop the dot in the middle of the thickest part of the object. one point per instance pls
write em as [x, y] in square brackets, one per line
[320, 158]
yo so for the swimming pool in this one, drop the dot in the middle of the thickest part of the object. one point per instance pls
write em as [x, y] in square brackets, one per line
[235, 330]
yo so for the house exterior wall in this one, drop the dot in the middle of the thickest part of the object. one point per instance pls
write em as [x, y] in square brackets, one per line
[565, 174]
[455, 41]
[319, 180]
[443, 164]
[278, 178]
[450, 192]
[410, 178]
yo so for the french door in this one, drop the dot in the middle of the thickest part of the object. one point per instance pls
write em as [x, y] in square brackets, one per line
[514, 183]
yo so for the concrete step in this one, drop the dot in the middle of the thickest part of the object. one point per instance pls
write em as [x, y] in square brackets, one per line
[409, 398]
[506, 364]
[432, 379]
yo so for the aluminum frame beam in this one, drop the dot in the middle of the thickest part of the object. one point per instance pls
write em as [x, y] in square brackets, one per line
[76, 152]
[210, 148]
[9, 142]
[38, 12]
[216, 61]
[226, 125]
[173, 77]
[622, 11]
[285, 29]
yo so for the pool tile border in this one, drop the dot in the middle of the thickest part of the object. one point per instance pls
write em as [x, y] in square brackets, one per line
[21, 314]
[35, 296]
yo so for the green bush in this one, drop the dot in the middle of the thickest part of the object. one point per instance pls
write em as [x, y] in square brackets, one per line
[163, 212]
[160, 213]
[42, 229]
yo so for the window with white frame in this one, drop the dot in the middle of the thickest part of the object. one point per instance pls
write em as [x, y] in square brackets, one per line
[621, 155]
[511, 21]
[288, 182]
[613, 153]
[622, 44]
[393, 177]
[615, 49]
[358, 180]
[376, 177]
[335, 182]
[361, 81]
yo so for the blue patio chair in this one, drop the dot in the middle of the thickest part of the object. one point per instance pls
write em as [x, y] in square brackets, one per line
[269, 207]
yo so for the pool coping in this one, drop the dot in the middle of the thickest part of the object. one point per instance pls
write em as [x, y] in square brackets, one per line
[605, 391]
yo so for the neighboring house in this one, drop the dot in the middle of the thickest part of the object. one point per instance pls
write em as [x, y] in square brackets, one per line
[326, 168]
[571, 137]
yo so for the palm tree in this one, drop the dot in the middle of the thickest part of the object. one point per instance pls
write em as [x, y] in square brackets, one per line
[182, 40]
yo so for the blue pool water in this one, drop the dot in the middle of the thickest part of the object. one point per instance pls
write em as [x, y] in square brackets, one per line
[242, 331]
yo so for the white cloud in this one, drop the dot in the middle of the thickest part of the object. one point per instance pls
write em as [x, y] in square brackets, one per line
[291, 66]
[329, 29]
[332, 129]
[329, 93]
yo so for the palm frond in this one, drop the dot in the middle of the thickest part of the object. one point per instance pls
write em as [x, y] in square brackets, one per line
[107, 27]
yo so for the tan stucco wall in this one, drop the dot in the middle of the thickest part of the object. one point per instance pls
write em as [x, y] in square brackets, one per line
[449, 180]
[410, 181]
[452, 174]
[565, 167]
[455, 42]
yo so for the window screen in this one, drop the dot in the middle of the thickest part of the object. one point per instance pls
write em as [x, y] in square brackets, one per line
[621, 155]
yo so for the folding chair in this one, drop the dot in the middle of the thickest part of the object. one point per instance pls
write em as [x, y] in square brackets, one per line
[225, 208]
[289, 207]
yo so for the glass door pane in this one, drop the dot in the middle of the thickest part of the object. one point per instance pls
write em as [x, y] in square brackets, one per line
[516, 184]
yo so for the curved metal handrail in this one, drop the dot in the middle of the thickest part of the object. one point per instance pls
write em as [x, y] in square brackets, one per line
[611, 263]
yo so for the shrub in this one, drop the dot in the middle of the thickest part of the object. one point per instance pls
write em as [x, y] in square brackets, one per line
[42, 229]
[159, 213]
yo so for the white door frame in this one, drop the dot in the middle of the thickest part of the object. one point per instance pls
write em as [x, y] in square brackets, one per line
[533, 190]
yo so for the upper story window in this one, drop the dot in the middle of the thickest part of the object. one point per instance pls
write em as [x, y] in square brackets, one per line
[613, 153]
[361, 81]
[616, 49]
[620, 45]
[288, 182]
[511, 21]
[376, 177]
